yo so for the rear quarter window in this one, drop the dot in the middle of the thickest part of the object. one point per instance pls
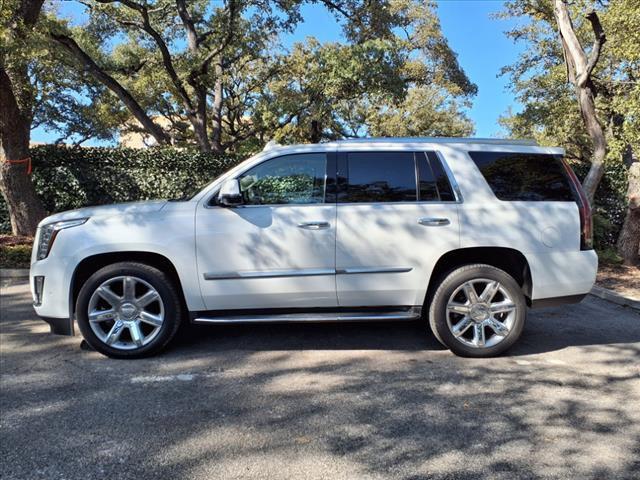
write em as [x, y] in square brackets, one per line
[529, 177]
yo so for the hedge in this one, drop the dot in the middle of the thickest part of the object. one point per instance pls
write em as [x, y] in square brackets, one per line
[67, 178]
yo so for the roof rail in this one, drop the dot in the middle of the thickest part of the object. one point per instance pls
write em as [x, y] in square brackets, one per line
[493, 141]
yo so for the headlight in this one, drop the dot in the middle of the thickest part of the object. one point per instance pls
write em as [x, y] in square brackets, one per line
[49, 232]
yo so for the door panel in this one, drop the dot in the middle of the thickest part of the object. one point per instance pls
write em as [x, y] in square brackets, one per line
[258, 257]
[397, 214]
[278, 249]
[384, 256]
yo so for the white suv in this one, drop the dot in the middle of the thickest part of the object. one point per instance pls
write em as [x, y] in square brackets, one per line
[465, 232]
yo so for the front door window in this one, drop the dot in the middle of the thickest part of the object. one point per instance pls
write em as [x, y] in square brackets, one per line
[291, 179]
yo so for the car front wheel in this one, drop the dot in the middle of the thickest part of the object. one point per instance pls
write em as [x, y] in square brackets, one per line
[128, 310]
[478, 311]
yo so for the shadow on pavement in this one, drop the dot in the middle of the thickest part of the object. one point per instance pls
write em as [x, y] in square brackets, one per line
[325, 401]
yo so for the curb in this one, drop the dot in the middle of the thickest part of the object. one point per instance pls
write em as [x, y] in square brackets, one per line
[14, 273]
[614, 297]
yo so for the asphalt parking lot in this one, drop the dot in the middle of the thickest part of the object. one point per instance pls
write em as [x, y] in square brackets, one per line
[325, 401]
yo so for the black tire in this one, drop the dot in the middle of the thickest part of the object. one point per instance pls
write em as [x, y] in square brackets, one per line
[159, 280]
[450, 283]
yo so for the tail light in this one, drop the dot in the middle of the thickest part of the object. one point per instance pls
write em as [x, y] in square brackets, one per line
[586, 218]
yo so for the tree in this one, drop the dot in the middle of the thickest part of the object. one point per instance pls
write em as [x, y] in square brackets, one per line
[218, 76]
[580, 67]
[153, 75]
[629, 239]
[17, 101]
[395, 76]
[623, 23]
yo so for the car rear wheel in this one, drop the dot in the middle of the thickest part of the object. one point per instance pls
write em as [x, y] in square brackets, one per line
[478, 311]
[128, 310]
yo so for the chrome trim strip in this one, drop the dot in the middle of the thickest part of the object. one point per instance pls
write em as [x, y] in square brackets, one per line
[309, 272]
[356, 270]
[411, 314]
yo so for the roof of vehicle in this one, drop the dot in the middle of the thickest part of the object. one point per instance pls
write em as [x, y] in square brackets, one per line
[410, 140]
[491, 141]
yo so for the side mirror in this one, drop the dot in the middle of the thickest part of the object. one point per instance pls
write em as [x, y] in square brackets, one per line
[229, 195]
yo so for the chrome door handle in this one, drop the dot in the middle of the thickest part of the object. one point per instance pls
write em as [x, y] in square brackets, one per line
[433, 222]
[314, 225]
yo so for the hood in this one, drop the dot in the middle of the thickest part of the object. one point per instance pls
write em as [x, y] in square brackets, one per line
[107, 210]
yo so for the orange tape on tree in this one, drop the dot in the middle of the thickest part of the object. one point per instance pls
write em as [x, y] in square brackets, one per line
[26, 160]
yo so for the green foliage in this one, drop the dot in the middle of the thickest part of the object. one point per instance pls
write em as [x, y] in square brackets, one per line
[15, 256]
[69, 178]
[402, 79]
[393, 74]
[538, 78]
[608, 256]
[610, 202]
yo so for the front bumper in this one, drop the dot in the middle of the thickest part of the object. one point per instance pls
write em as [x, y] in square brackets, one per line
[52, 302]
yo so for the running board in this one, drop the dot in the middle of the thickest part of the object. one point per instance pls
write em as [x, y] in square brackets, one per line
[412, 313]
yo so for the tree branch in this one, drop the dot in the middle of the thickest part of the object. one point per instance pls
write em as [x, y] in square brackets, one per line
[204, 65]
[162, 46]
[70, 45]
[569, 38]
[600, 38]
[187, 21]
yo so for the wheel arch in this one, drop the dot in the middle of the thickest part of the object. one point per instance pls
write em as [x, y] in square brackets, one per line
[510, 260]
[89, 265]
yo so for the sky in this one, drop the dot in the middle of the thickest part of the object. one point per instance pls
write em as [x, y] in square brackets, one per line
[479, 40]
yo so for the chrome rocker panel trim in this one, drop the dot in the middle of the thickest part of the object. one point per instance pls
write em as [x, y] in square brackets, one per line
[411, 313]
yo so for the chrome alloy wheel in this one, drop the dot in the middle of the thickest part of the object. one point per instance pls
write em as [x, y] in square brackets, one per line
[480, 313]
[126, 312]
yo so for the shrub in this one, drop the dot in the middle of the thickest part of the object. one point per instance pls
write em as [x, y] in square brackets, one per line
[15, 256]
[66, 178]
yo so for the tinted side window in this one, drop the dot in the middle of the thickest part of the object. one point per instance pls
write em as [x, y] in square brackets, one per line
[380, 177]
[524, 176]
[297, 179]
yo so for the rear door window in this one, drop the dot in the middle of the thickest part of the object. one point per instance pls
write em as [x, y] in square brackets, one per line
[380, 177]
[530, 177]
[393, 177]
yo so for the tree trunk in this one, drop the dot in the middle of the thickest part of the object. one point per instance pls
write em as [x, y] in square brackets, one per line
[25, 208]
[579, 70]
[199, 124]
[629, 239]
[590, 119]
[216, 129]
[315, 132]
